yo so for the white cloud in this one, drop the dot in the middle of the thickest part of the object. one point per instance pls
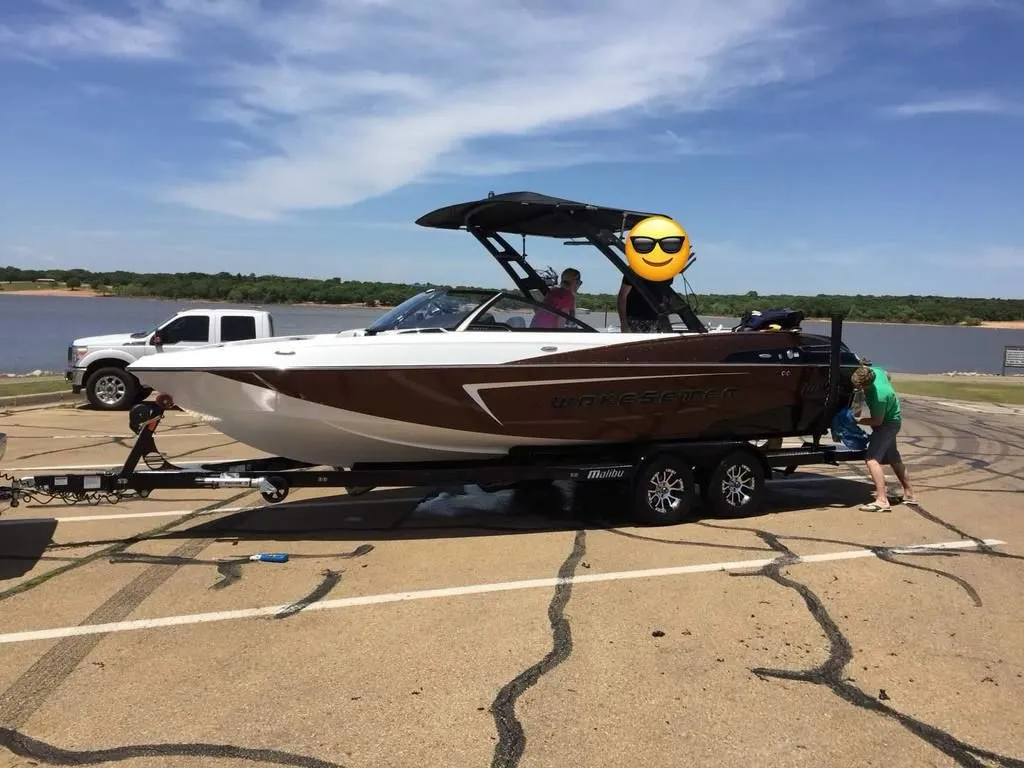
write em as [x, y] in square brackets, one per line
[76, 32]
[340, 101]
[989, 257]
[361, 98]
[967, 103]
[347, 100]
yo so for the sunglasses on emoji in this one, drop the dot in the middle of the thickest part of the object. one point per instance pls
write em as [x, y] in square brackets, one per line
[670, 244]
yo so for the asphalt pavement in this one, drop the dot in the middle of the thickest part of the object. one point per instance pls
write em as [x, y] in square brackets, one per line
[474, 629]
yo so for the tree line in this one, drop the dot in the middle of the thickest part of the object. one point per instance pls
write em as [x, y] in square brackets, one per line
[275, 289]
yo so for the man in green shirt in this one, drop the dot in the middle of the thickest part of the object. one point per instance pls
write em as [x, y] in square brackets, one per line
[885, 421]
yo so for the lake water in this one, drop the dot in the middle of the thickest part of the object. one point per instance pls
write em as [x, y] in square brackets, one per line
[35, 332]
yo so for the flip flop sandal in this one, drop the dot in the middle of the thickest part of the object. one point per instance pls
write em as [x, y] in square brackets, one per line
[875, 507]
[903, 500]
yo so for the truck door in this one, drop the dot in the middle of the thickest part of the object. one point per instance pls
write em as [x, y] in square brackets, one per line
[237, 327]
[182, 333]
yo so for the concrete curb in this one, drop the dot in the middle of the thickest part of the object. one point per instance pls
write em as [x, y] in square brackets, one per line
[41, 398]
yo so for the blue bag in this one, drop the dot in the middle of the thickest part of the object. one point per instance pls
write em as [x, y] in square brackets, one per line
[847, 431]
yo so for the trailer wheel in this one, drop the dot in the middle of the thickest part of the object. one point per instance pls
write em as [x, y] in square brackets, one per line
[663, 490]
[278, 490]
[736, 485]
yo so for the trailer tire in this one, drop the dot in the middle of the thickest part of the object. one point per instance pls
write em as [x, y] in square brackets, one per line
[111, 388]
[736, 486]
[664, 490]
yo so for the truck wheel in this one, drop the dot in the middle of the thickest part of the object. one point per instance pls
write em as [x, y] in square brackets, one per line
[663, 491]
[111, 389]
[736, 485]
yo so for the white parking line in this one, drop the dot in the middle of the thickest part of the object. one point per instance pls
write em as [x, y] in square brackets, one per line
[470, 589]
[815, 479]
[220, 510]
[311, 503]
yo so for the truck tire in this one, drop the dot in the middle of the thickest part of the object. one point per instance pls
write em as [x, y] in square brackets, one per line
[112, 389]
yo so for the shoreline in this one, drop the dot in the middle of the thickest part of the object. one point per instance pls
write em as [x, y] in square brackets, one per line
[85, 293]
[1011, 325]
[90, 293]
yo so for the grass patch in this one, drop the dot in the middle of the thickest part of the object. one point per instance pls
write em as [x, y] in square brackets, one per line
[1001, 392]
[32, 385]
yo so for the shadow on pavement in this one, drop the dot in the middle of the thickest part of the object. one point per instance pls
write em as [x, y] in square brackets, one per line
[23, 544]
[467, 511]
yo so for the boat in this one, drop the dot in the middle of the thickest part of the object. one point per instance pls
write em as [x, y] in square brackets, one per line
[459, 374]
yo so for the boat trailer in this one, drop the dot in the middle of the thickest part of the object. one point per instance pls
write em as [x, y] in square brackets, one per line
[659, 481]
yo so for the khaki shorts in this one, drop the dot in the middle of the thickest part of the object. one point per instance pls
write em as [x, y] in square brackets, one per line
[882, 444]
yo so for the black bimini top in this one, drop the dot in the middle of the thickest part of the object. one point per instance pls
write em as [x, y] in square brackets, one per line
[530, 213]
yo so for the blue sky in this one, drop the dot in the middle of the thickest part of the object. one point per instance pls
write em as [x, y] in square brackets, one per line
[808, 147]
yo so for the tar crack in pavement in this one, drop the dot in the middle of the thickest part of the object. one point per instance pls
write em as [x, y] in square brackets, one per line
[511, 738]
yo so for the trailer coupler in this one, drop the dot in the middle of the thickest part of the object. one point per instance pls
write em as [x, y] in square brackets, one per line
[265, 475]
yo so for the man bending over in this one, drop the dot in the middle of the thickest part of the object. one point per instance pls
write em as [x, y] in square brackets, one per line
[885, 421]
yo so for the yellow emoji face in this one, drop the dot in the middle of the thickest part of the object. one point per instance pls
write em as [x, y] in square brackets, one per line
[657, 248]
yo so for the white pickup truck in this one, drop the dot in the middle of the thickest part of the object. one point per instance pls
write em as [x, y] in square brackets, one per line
[97, 363]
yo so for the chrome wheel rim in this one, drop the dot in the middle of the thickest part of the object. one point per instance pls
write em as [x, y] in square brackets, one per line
[738, 485]
[110, 390]
[666, 491]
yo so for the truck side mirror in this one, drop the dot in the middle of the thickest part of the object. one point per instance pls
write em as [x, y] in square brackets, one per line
[156, 340]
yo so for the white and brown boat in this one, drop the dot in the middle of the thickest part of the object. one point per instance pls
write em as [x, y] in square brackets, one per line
[460, 374]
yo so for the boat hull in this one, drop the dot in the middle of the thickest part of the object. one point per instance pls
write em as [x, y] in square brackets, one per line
[655, 387]
[280, 425]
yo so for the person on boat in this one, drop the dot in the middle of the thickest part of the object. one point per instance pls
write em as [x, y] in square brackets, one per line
[885, 420]
[562, 297]
[635, 314]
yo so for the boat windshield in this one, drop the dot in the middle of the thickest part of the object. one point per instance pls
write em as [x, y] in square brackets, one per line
[449, 309]
[431, 309]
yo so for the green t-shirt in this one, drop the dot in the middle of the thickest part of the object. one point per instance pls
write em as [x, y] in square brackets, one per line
[881, 398]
